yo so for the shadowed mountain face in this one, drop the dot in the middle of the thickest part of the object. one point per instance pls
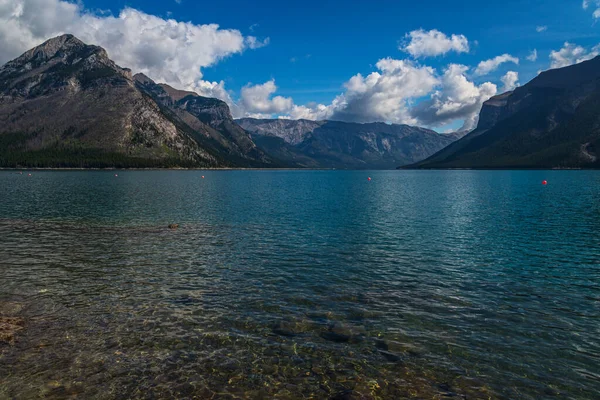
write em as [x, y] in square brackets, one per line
[66, 104]
[551, 122]
[332, 144]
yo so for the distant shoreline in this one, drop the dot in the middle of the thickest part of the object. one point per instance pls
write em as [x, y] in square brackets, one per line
[298, 169]
[176, 169]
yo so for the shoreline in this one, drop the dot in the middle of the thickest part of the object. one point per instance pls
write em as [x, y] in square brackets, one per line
[295, 169]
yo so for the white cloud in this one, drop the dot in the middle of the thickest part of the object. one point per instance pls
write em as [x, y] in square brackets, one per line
[213, 89]
[255, 43]
[164, 49]
[385, 95]
[257, 99]
[485, 67]
[533, 56]
[400, 91]
[421, 43]
[313, 111]
[456, 99]
[571, 54]
[510, 81]
[541, 28]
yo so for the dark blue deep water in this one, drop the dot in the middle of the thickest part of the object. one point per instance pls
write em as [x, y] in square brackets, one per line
[301, 284]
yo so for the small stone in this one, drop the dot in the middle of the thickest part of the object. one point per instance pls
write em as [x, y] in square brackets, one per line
[381, 344]
[390, 356]
[343, 395]
[185, 389]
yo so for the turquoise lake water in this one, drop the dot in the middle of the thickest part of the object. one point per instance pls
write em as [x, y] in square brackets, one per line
[301, 284]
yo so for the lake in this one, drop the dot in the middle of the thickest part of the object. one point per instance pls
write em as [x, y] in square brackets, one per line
[301, 284]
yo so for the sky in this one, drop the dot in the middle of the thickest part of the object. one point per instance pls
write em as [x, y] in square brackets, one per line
[427, 63]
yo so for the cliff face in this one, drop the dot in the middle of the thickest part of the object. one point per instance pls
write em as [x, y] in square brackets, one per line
[493, 110]
[210, 117]
[66, 104]
[292, 132]
[332, 144]
[551, 122]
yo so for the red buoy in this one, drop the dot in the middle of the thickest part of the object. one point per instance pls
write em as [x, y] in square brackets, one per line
[544, 182]
[28, 174]
[369, 178]
[202, 176]
[116, 175]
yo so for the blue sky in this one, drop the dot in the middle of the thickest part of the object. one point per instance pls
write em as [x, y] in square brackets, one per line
[310, 50]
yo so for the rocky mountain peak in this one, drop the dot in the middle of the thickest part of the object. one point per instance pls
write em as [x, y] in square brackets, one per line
[59, 63]
[177, 94]
[62, 48]
[67, 99]
[64, 44]
[143, 79]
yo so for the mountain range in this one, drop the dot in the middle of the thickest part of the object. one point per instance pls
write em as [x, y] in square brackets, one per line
[334, 144]
[67, 104]
[551, 122]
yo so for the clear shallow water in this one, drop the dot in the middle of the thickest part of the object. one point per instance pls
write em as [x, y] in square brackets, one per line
[301, 284]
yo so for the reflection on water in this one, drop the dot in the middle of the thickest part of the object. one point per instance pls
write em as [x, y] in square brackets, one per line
[300, 284]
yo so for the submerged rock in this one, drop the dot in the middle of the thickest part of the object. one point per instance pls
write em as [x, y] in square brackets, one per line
[10, 308]
[285, 328]
[390, 356]
[292, 328]
[344, 395]
[9, 326]
[341, 333]
[335, 337]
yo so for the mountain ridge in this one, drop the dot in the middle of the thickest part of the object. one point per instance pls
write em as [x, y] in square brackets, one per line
[64, 103]
[550, 122]
[338, 144]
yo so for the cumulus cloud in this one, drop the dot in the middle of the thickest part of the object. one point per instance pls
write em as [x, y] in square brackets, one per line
[541, 28]
[257, 99]
[485, 67]
[164, 49]
[571, 54]
[421, 43]
[313, 111]
[457, 98]
[385, 95]
[400, 91]
[510, 81]
[533, 56]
